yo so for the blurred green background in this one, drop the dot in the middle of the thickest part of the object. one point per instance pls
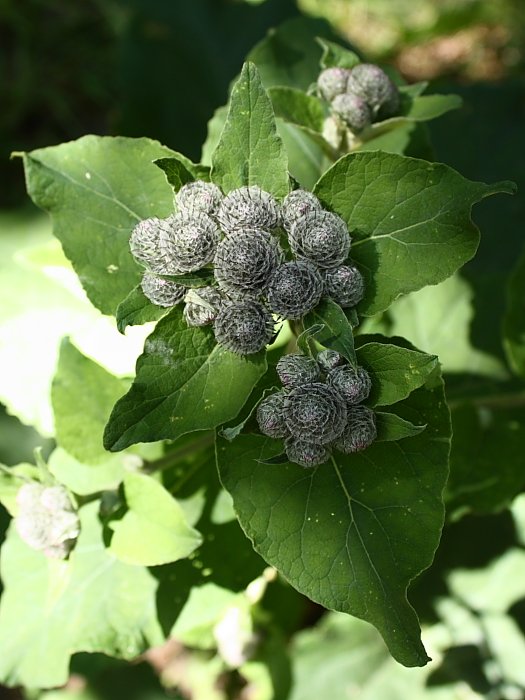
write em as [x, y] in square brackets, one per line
[160, 68]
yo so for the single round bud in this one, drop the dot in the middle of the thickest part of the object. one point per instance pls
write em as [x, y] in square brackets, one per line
[315, 413]
[328, 359]
[199, 196]
[202, 306]
[248, 207]
[145, 243]
[297, 204]
[295, 289]
[322, 238]
[373, 85]
[244, 263]
[345, 285]
[243, 327]
[360, 431]
[270, 416]
[160, 291]
[306, 454]
[332, 82]
[297, 370]
[353, 110]
[189, 242]
[353, 385]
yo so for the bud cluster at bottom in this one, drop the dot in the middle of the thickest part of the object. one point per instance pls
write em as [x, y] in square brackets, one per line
[319, 408]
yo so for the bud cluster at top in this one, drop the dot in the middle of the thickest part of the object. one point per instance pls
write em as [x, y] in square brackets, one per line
[46, 519]
[358, 97]
[267, 260]
[319, 408]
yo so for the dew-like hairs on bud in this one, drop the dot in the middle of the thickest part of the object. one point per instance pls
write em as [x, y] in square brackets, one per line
[322, 238]
[244, 263]
[145, 244]
[332, 82]
[189, 243]
[374, 86]
[295, 289]
[199, 196]
[345, 285]
[248, 207]
[328, 359]
[306, 454]
[160, 291]
[202, 305]
[297, 204]
[270, 416]
[353, 385]
[360, 431]
[315, 412]
[243, 326]
[297, 370]
[353, 110]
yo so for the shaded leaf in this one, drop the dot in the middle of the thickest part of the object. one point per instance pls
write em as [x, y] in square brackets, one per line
[336, 55]
[296, 107]
[249, 151]
[179, 170]
[336, 332]
[351, 534]
[514, 320]
[154, 529]
[96, 190]
[185, 382]
[391, 427]
[406, 215]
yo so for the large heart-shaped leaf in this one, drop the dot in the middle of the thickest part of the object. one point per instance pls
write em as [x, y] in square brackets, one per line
[410, 220]
[352, 533]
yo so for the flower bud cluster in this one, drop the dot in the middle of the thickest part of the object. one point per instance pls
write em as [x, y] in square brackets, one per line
[242, 237]
[46, 519]
[319, 408]
[358, 96]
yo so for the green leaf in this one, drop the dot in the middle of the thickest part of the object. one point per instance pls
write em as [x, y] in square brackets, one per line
[351, 534]
[486, 462]
[46, 603]
[410, 220]
[391, 428]
[307, 156]
[336, 333]
[96, 190]
[418, 108]
[249, 151]
[193, 280]
[83, 394]
[154, 530]
[85, 479]
[437, 320]
[179, 170]
[136, 309]
[514, 320]
[396, 371]
[185, 382]
[336, 55]
[296, 107]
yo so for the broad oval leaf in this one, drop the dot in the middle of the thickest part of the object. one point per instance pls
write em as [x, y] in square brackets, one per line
[352, 533]
[410, 220]
[249, 151]
[154, 530]
[45, 606]
[185, 382]
[136, 309]
[96, 190]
